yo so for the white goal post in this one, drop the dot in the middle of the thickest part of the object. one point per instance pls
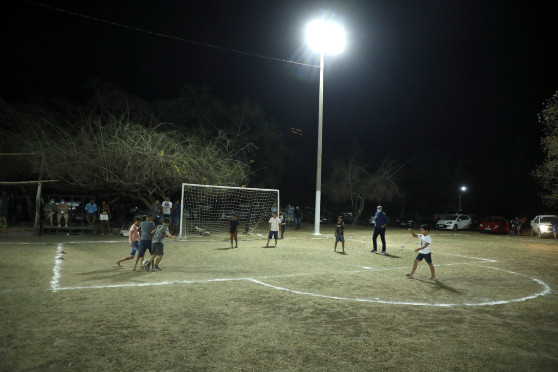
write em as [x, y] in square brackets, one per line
[207, 210]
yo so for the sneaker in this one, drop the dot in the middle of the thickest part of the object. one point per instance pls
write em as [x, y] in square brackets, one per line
[146, 265]
[409, 276]
[374, 250]
[383, 252]
[158, 268]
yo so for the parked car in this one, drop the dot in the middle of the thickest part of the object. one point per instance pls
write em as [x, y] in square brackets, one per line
[325, 215]
[407, 220]
[454, 222]
[439, 216]
[494, 224]
[348, 217]
[541, 225]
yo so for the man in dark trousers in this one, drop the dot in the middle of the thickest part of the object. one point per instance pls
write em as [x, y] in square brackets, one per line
[382, 220]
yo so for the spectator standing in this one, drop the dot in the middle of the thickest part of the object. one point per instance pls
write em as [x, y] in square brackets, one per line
[105, 216]
[4, 203]
[157, 211]
[297, 217]
[382, 220]
[522, 219]
[290, 214]
[91, 210]
[63, 211]
[50, 211]
[554, 222]
[166, 206]
[175, 218]
[283, 223]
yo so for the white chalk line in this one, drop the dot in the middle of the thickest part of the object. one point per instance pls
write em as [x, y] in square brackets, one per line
[546, 288]
[54, 283]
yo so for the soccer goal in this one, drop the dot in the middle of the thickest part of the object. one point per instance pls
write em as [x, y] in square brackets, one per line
[207, 210]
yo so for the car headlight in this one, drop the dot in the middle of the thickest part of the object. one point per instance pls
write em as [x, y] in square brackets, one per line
[544, 228]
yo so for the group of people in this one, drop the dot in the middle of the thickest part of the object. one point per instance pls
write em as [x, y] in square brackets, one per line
[168, 210]
[382, 220]
[92, 212]
[293, 216]
[145, 236]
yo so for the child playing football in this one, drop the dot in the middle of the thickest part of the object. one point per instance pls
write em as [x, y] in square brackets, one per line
[425, 242]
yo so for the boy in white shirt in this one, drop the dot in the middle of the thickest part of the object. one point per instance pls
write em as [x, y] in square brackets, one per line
[274, 223]
[167, 206]
[423, 251]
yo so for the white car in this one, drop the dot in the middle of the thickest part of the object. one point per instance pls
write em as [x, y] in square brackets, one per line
[541, 225]
[454, 222]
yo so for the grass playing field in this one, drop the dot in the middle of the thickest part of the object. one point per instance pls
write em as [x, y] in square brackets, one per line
[299, 306]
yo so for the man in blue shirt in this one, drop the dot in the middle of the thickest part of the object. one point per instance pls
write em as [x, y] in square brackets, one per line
[91, 212]
[382, 220]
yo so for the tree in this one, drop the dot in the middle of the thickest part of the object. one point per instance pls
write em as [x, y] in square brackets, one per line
[546, 174]
[118, 156]
[202, 113]
[354, 183]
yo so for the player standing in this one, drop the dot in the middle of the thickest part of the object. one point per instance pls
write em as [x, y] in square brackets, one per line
[339, 234]
[423, 251]
[233, 230]
[274, 223]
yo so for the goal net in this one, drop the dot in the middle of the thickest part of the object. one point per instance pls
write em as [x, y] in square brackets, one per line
[207, 210]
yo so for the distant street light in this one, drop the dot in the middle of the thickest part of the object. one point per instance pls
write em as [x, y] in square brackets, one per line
[325, 37]
[461, 190]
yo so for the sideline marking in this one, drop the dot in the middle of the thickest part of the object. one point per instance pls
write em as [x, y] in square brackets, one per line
[54, 283]
[55, 286]
[472, 258]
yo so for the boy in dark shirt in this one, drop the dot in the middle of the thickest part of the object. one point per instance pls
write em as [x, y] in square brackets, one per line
[340, 234]
[233, 230]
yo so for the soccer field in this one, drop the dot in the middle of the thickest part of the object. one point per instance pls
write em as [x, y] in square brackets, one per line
[298, 306]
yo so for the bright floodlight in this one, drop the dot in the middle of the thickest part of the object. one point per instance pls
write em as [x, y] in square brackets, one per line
[463, 188]
[325, 37]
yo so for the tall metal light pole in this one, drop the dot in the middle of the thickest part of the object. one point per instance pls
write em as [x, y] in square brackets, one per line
[461, 190]
[324, 37]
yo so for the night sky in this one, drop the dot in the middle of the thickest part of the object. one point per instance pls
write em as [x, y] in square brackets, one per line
[452, 87]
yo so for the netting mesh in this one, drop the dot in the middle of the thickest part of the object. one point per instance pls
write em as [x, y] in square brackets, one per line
[207, 210]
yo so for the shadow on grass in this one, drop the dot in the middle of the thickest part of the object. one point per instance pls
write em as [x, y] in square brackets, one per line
[104, 271]
[439, 285]
[223, 249]
[343, 253]
[388, 255]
